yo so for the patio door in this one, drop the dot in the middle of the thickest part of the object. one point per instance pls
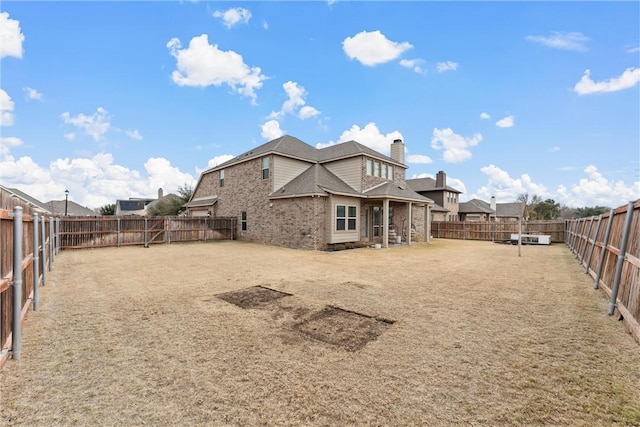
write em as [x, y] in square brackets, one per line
[376, 220]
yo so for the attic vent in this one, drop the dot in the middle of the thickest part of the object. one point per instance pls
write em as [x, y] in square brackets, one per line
[402, 187]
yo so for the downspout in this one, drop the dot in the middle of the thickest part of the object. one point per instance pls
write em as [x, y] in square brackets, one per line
[409, 226]
[385, 220]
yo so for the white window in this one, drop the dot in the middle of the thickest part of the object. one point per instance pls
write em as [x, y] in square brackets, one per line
[390, 173]
[222, 178]
[383, 173]
[369, 167]
[346, 217]
[265, 168]
[376, 169]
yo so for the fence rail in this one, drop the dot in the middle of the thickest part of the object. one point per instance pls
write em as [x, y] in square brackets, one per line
[496, 231]
[83, 232]
[608, 246]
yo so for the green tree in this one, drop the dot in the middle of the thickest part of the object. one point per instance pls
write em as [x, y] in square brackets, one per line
[590, 211]
[171, 204]
[108, 209]
[547, 209]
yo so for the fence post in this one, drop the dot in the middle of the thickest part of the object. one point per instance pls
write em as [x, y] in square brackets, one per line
[146, 243]
[118, 232]
[168, 230]
[593, 246]
[44, 251]
[51, 248]
[57, 236]
[621, 258]
[36, 264]
[586, 240]
[605, 243]
[16, 332]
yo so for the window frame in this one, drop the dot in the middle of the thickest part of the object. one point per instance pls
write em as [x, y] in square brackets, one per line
[221, 176]
[243, 220]
[265, 170]
[346, 219]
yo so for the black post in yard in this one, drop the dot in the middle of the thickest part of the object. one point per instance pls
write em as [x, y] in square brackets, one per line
[66, 201]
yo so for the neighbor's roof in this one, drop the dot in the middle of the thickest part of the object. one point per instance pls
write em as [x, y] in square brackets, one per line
[502, 209]
[428, 184]
[317, 180]
[57, 207]
[290, 146]
[475, 206]
[31, 200]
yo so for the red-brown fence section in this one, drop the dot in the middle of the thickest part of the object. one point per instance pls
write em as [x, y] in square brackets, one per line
[109, 231]
[496, 231]
[608, 246]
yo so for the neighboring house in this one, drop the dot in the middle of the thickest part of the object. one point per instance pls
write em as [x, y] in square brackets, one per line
[139, 206]
[69, 208]
[288, 193]
[34, 203]
[447, 199]
[479, 210]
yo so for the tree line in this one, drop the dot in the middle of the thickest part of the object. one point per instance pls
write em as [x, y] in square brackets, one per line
[537, 209]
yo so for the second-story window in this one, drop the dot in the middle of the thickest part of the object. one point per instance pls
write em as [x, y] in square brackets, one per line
[383, 172]
[265, 168]
[376, 169]
[390, 173]
[369, 167]
[222, 178]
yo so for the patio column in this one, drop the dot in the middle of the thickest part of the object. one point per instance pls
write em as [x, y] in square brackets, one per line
[385, 226]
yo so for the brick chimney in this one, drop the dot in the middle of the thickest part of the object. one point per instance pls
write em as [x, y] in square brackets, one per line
[397, 151]
[441, 179]
[493, 203]
[160, 193]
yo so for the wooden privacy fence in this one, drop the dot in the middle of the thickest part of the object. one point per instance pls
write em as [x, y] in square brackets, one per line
[27, 250]
[608, 246]
[496, 231]
[108, 231]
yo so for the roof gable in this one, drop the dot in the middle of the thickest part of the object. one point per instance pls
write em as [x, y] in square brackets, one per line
[315, 180]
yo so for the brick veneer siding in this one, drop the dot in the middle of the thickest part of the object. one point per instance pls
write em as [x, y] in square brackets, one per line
[369, 181]
[295, 222]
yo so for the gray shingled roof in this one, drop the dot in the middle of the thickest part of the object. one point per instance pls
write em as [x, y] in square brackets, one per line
[316, 180]
[428, 184]
[480, 206]
[393, 191]
[475, 206]
[202, 201]
[290, 146]
[350, 149]
[32, 200]
[73, 209]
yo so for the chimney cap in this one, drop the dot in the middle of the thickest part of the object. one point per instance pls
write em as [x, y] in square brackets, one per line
[397, 140]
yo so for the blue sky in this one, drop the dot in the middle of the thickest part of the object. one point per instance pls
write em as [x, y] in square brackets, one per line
[112, 100]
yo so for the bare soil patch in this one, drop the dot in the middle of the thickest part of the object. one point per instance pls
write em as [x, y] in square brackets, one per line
[343, 328]
[141, 336]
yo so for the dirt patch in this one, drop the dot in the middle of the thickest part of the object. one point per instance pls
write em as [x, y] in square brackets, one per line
[343, 328]
[253, 297]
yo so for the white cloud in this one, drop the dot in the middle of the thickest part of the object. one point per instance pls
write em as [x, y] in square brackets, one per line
[414, 64]
[7, 143]
[565, 41]
[11, 37]
[271, 130]
[628, 79]
[505, 188]
[233, 16]
[218, 160]
[70, 136]
[32, 94]
[485, 116]
[634, 50]
[133, 134]
[596, 190]
[295, 103]
[506, 122]
[369, 136]
[96, 125]
[554, 149]
[446, 66]
[307, 112]
[419, 159]
[6, 109]
[203, 64]
[373, 48]
[265, 25]
[456, 147]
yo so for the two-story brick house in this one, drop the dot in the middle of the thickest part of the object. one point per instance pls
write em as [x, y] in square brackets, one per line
[288, 193]
[446, 199]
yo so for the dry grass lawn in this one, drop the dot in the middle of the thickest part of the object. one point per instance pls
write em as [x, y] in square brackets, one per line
[455, 333]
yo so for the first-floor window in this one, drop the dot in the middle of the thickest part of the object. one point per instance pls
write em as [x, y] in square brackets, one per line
[243, 221]
[346, 217]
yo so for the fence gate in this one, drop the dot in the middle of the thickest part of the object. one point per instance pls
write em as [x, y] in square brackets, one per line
[155, 230]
